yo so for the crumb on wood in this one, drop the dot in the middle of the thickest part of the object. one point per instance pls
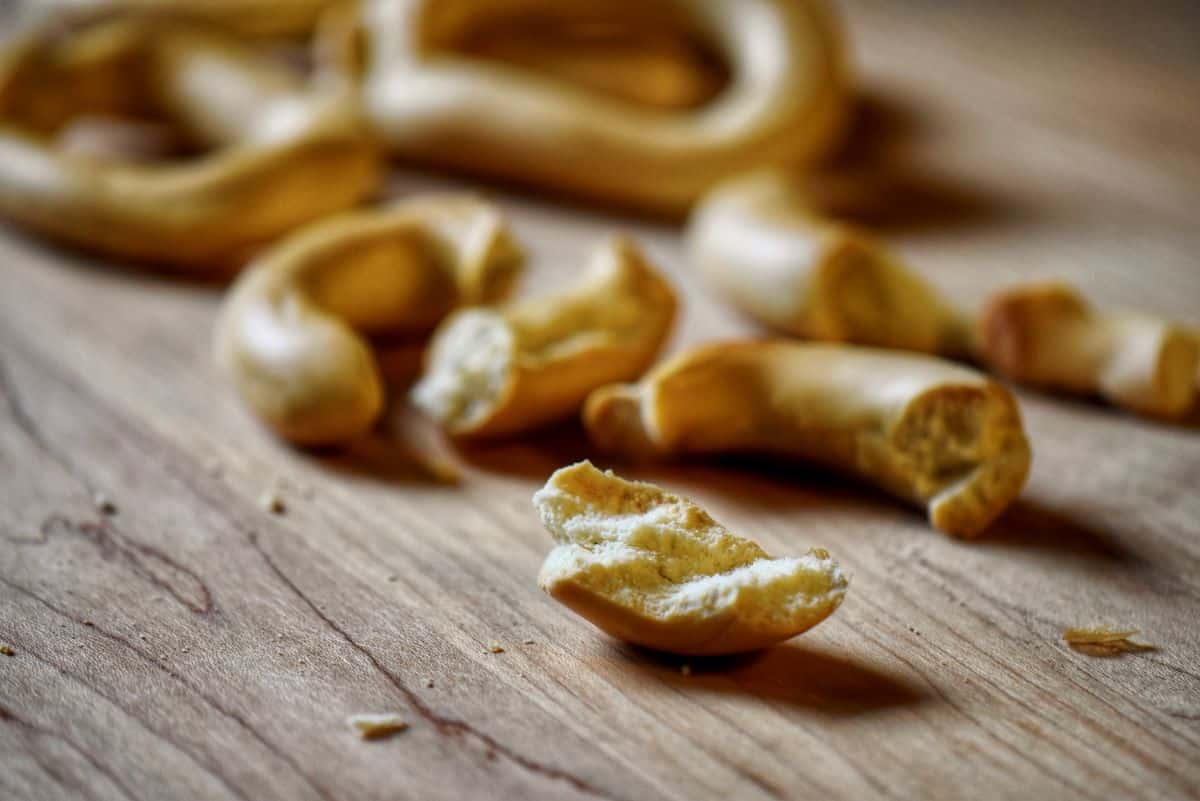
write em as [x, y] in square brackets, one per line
[1103, 641]
[376, 726]
[428, 682]
[496, 648]
[393, 577]
[529, 642]
[7, 650]
[272, 503]
[104, 504]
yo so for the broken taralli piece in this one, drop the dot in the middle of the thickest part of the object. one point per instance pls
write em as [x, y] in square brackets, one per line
[492, 372]
[1046, 335]
[756, 243]
[292, 332]
[933, 433]
[653, 569]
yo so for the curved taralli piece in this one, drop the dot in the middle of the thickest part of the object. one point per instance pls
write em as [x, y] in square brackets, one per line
[1047, 335]
[278, 153]
[755, 242]
[653, 569]
[935, 434]
[783, 104]
[291, 334]
[492, 372]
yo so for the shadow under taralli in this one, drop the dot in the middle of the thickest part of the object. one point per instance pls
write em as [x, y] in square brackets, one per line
[1031, 525]
[873, 178]
[796, 675]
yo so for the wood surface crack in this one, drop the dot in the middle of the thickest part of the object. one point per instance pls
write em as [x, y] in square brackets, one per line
[446, 726]
[208, 700]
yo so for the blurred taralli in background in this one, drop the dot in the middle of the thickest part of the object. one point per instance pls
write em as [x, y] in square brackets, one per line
[434, 101]
[278, 152]
[246, 17]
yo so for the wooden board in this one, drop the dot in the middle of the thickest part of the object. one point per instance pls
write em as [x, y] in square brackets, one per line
[193, 645]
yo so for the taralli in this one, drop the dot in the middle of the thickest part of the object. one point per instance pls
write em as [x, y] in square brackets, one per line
[933, 433]
[655, 570]
[280, 153]
[291, 334]
[497, 372]
[755, 241]
[247, 17]
[1047, 335]
[434, 101]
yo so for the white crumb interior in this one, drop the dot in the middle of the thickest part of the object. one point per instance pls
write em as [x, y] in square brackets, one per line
[468, 369]
[660, 556]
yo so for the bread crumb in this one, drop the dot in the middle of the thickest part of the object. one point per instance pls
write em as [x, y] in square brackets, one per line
[7, 650]
[104, 504]
[376, 726]
[272, 503]
[429, 682]
[685, 670]
[1103, 641]
[393, 577]
[529, 642]
[496, 648]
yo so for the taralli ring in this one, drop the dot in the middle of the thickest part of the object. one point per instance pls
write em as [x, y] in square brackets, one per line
[492, 372]
[653, 569]
[291, 334]
[755, 241]
[935, 434]
[435, 102]
[280, 154]
[1047, 335]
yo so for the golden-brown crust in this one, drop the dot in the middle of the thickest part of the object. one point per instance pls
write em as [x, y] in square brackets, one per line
[1046, 335]
[784, 104]
[281, 154]
[498, 372]
[291, 333]
[931, 432]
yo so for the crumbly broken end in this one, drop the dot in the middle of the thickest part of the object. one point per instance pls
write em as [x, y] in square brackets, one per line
[615, 421]
[374, 726]
[660, 558]
[1103, 641]
[469, 370]
[966, 455]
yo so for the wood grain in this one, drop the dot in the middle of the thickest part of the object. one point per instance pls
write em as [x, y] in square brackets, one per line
[193, 645]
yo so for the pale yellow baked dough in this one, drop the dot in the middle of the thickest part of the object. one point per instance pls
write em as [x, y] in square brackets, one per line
[653, 569]
[493, 372]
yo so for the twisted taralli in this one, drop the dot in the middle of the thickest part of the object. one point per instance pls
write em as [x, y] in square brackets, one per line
[653, 569]
[292, 332]
[933, 433]
[1047, 335]
[280, 153]
[492, 372]
[433, 101]
[755, 241]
